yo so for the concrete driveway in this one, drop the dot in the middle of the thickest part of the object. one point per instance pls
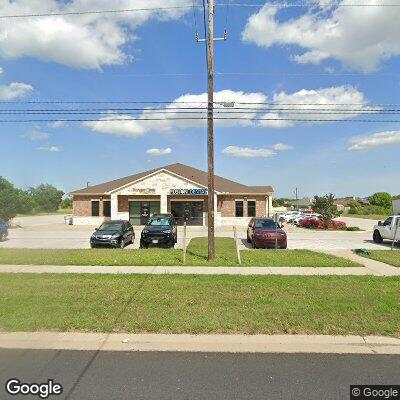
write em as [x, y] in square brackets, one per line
[51, 232]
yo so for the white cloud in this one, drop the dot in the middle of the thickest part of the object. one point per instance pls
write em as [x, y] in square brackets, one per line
[249, 152]
[50, 149]
[167, 116]
[1, 70]
[14, 90]
[282, 147]
[82, 41]
[322, 101]
[36, 135]
[57, 124]
[159, 152]
[359, 37]
[379, 139]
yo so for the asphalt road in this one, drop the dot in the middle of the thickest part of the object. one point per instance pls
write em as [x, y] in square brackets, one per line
[177, 376]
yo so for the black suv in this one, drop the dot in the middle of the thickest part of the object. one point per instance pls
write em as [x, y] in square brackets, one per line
[159, 230]
[113, 233]
[3, 230]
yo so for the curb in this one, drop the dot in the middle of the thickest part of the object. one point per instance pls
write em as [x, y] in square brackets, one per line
[201, 343]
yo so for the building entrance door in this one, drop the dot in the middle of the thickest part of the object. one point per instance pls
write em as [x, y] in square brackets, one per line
[141, 211]
[191, 211]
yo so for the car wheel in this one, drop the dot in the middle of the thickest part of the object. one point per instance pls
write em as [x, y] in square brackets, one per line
[253, 243]
[377, 237]
[143, 245]
[122, 244]
[313, 226]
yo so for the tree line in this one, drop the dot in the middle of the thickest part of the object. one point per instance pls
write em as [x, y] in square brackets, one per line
[42, 198]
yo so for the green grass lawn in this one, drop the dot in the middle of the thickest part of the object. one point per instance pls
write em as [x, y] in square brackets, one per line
[376, 217]
[200, 304]
[294, 258]
[196, 255]
[391, 257]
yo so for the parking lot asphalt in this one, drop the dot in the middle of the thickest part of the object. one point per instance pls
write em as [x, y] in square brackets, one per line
[51, 232]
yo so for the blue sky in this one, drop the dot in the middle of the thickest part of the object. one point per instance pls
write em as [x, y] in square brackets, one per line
[316, 157]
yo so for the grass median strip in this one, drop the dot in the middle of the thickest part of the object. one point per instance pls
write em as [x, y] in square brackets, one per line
[200, 304]
[391, 257]
[196, 255]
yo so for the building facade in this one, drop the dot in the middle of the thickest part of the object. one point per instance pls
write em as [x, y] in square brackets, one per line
[177, 189]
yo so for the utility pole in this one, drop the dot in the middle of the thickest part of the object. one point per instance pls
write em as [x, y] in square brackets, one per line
[210, 130]
[297, 205]
[210, 39]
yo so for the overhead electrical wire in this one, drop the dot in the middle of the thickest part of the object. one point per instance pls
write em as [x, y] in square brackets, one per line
[200, 118]
[259, 5]
[220, 102]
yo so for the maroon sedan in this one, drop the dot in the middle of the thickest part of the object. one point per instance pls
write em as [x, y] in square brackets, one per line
[265, 232]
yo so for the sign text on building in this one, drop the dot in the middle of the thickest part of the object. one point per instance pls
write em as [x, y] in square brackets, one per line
[189, 191]
[141, 190]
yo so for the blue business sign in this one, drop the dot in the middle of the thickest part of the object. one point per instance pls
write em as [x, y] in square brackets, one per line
[195, 192]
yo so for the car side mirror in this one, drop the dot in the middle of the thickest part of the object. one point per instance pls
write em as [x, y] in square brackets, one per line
[96, 229]
[379, 223]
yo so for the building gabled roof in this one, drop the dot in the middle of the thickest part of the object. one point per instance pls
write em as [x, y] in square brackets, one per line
[193, 174]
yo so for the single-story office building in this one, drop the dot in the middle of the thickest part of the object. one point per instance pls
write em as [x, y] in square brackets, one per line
[177, 189]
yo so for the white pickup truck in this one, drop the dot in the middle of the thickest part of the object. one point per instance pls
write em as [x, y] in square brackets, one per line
[387, 229]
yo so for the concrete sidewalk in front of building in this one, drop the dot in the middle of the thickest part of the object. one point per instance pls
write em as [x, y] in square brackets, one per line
[236, 343]
[371, 268]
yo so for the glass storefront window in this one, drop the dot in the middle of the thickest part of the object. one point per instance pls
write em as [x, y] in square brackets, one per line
[95, 208]
[251, 208]
[238, 208]
[141, 211]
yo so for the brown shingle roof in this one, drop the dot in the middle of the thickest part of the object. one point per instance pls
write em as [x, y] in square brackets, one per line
[193, 174]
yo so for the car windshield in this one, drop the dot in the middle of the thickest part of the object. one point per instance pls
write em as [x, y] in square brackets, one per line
[159, 222]
[265, 223]
[111, 226]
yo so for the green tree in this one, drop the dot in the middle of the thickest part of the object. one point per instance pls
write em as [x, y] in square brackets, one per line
[326, 207]
[26, 202]
[47, 198]
[66, 203]
[13, 201]
[381, 199]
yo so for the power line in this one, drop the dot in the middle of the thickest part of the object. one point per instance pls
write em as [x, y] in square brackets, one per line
[201, 111]
[129, 10]
[66, 13]
[193, 102]
[201, 118]
[309, 4]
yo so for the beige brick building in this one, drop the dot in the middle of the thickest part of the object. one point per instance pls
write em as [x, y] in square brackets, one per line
[177, 189]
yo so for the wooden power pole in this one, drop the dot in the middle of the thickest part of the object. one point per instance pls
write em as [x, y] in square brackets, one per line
[210, 130]
[210, 39]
